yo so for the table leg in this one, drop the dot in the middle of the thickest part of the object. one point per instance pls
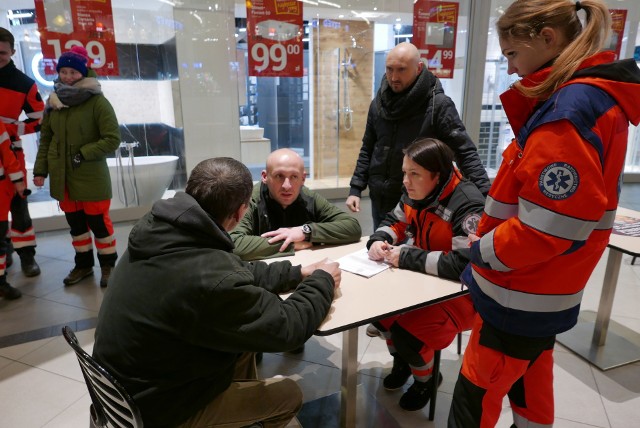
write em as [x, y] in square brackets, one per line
[595, 330]
[606, 298]
[349, 378]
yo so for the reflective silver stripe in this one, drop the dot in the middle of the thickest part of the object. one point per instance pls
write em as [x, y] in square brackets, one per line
[387, 229]
[4, 136]
[6, 119]
[488, 253]
[554, 223]
[499, 209]
[522, 422]
[1, 171]
[431, 265]
[21, 128]
[399, 214]
[607, 220]
[527, 301]
[459, 242]
[35, 114]
[17, 143]
[15, 176]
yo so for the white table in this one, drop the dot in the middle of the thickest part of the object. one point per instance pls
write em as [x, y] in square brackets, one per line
[361, 300]
[589, 337]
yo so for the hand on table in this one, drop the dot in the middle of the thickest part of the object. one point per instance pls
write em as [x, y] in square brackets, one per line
[288, 234]
[383, 251]
[329, 266]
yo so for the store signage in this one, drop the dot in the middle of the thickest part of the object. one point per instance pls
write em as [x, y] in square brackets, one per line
[274, 34]
[89, 23]
[434, 34]
[618, 19]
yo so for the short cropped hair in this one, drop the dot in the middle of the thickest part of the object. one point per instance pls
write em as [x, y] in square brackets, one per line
[431, 154]
[6, 36]
[220, 186]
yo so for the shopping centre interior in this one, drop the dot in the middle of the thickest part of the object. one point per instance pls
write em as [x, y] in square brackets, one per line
[183, 92]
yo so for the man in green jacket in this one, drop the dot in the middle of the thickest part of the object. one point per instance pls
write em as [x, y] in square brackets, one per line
[183, 314]
[285, 216]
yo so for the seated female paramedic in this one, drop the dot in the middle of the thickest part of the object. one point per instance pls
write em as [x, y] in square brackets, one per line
[427, 232]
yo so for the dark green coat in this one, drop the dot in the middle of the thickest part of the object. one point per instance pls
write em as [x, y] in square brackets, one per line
[329, 224]
[90, 128]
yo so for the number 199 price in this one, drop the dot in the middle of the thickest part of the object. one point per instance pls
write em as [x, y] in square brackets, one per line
[94, 48]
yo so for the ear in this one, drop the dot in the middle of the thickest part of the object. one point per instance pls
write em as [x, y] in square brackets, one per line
[549, 36]
[264, 176]
[420, 65]
[242, 209]
[304, 176]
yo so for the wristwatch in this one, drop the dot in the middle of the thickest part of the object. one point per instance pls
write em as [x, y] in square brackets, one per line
[306, 229]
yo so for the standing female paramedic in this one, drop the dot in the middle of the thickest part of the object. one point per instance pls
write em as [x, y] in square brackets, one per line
[550, 210]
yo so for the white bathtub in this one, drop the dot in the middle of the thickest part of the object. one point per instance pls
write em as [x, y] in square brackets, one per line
[153, 175]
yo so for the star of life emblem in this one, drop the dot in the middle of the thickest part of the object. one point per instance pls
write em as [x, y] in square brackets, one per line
[558, 180]
[470, 223]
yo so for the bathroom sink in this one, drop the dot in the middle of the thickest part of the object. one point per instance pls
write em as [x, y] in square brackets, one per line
[251, 133]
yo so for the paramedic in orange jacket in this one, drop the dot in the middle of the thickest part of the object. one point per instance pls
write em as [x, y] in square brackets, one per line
[427, 232]
[11, 183]
[550, 209]
[19, 93]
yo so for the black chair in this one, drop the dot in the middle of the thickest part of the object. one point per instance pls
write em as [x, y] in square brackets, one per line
[112, 405]
[436, 374]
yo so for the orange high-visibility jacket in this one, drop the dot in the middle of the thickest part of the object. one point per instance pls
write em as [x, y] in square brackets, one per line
[551, 208]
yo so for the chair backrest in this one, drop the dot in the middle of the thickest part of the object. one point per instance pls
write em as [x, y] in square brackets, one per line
[112, 405]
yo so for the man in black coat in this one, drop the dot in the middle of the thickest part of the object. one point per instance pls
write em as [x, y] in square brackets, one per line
[409, 104]
[184, 315]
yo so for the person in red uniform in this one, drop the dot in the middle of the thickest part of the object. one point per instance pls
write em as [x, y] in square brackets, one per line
[11, 183]
[19, 93]
[551, 208]
[427, 232]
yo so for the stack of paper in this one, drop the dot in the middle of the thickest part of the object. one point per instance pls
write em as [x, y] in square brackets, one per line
[360, 264]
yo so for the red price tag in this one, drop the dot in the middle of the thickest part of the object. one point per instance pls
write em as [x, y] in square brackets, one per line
[434, 34]
[275, 38]
[78, 23]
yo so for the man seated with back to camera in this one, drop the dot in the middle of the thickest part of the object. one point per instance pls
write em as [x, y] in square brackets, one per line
[184, 315]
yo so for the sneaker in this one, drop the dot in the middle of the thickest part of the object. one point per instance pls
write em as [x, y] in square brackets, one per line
[418, 394]
[9, 293]
[29, 265]
[105, 274]
[77, 274]
[399, 375]
[372, 331]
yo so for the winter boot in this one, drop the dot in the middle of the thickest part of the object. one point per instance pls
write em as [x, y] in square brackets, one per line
[400, 372]
[418, 394]
[77, 274]
[7, 291]
[106, 273]
[29, 265]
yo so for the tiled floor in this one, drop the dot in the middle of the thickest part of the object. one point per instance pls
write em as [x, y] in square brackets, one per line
[41, 384]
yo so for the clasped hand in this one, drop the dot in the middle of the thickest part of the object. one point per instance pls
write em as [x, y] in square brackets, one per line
[383, 251]
[329, 266]
[289, 235]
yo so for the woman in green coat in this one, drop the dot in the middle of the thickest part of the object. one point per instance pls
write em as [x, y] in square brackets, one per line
[78, 131]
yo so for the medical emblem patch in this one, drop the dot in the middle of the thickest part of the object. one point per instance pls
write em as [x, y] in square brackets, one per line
[470, 223]
[558, 180]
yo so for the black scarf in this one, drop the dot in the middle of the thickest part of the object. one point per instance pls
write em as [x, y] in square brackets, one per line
[394, 106]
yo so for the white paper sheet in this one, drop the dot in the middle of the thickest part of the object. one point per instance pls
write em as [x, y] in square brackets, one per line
[360, 264]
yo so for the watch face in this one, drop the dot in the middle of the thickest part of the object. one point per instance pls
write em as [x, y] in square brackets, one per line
[306, 228]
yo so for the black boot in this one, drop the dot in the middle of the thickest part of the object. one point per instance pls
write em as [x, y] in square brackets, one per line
[7, 291]
[418, 394]
[29, 265]
[400, 372]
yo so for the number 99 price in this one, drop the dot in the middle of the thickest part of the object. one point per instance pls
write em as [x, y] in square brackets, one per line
[265, 56]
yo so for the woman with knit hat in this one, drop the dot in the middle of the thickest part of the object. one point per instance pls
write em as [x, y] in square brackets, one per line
[78, 131]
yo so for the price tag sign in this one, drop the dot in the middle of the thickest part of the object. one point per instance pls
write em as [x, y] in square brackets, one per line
[434, 34]
[274, 34]
[67, 23]
[618, 20]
